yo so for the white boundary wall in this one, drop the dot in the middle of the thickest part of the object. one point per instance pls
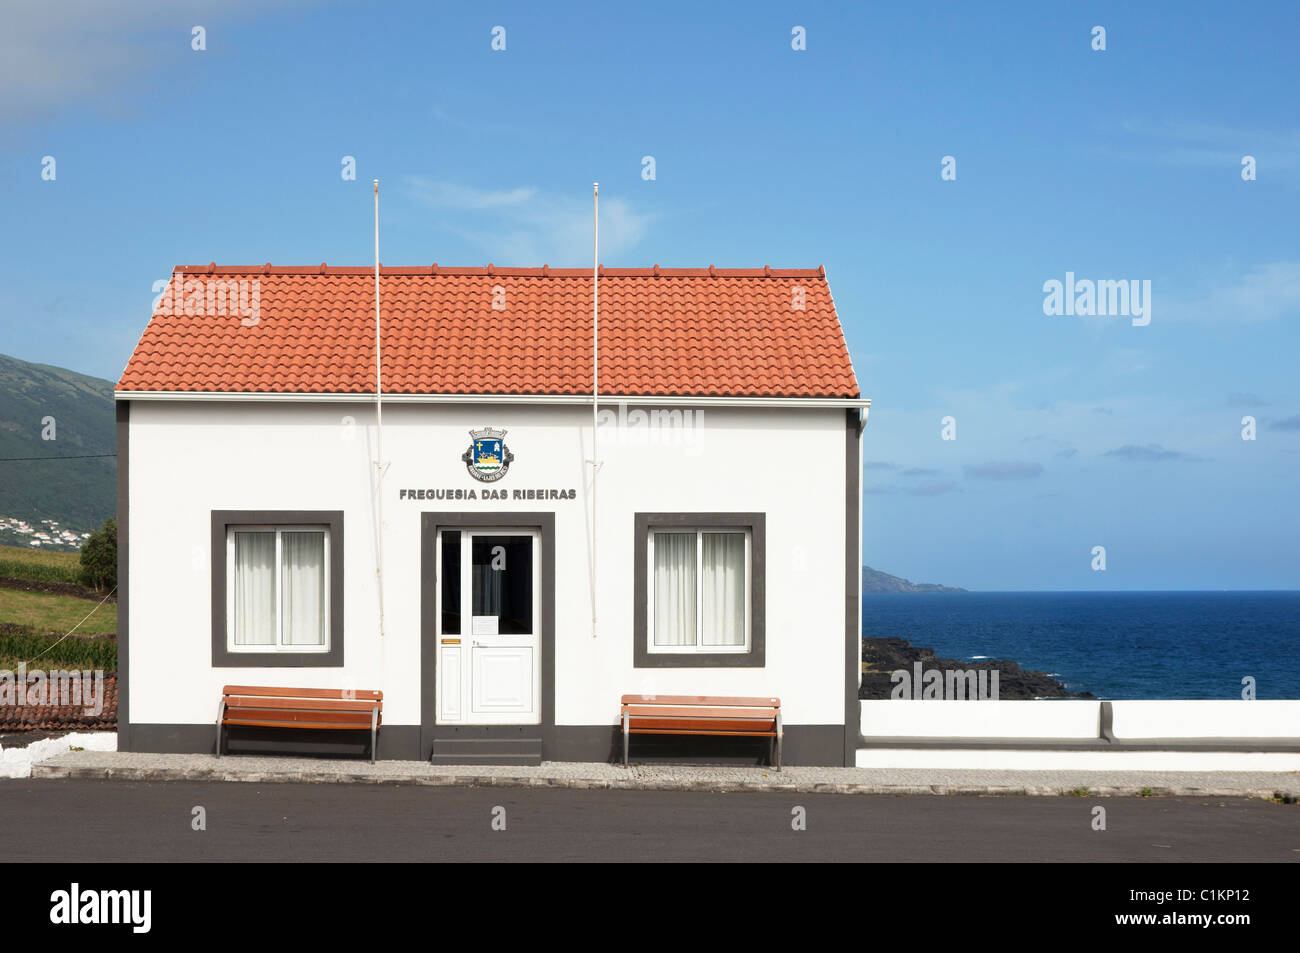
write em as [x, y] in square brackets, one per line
[1080, 720]
[994, 759]
[909, 718]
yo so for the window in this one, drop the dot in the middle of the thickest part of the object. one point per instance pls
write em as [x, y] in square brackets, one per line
[277, 588]
[700, 584]
[699, 590]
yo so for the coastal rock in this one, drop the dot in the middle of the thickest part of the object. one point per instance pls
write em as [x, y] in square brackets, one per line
[880, 657]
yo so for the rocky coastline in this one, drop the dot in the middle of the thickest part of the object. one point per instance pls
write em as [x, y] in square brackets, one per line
[881, 657]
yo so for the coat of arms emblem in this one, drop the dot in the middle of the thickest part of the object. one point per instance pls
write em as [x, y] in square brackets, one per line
[488, 458]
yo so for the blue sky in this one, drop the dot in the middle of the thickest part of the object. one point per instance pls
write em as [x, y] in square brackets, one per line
[1071, 432]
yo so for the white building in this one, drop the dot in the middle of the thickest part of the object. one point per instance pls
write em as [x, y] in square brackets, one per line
[726, 552]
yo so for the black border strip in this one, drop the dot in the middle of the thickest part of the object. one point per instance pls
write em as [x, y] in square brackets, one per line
[852, 583]
[123, 575]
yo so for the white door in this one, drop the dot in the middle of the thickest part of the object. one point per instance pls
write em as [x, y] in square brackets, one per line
[489, 645]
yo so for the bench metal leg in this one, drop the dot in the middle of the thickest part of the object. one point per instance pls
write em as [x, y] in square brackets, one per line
[625, 737]
[374, 732]
[221, 716]
[780, 736]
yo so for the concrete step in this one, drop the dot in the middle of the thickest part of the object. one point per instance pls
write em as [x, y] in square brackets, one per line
[467, 751]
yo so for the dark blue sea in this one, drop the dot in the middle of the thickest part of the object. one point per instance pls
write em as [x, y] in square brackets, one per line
[1113, 644]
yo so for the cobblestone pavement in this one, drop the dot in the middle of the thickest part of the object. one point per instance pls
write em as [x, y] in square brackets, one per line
[137, 766]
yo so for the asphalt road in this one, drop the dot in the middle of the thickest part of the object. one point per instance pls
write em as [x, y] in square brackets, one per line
[79, 821]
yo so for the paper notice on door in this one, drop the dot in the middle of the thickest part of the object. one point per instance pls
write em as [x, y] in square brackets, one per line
[485, 625]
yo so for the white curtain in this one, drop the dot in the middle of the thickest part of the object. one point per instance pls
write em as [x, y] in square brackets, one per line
[255, 588]
[723, 596]
[302, 581]
[487, 589]
[674, 576]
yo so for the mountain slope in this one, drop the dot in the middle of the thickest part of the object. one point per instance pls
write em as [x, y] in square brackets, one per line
[79, 493]
[874, 581]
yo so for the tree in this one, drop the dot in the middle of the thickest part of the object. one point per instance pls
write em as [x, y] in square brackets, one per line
[99, 557]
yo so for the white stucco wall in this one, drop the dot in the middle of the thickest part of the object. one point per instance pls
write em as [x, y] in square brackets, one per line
[188, 458]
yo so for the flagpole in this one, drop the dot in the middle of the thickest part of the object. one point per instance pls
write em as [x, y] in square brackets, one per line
[595, 379]
[379, 437]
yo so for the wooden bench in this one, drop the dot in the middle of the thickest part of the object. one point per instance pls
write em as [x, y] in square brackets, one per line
[702, 715]
[326, 708]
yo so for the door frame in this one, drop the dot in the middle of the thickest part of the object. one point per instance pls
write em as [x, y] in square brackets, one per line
[469, 641]
[430, 524]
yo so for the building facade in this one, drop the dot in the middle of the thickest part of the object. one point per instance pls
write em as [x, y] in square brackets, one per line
[698, 534]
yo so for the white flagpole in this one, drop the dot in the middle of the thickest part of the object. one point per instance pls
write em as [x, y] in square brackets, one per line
[595, 379]
[379, 437]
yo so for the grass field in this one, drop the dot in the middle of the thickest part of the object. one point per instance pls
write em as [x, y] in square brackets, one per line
[30, 563]
[47, 617]
[46, 613]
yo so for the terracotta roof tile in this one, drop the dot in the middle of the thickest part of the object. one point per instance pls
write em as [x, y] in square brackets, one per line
[663, 332]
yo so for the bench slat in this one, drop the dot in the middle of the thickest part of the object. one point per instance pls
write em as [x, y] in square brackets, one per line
[357, 694]
[720, 734]
[729, 701]
[260, 723]
[306, 719]
[301, 704]
[641, 711]
[704, 725]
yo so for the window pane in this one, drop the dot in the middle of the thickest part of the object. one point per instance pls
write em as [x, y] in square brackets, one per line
[302, 581]
[674, 595]
[502, 584]
[451, 582]
[723, 598]
[254, 588]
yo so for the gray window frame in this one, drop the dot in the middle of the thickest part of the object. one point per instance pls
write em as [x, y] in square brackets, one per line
[643, 524]
[222, 657]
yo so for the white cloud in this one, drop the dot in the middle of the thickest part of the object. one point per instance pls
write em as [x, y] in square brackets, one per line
[59, 53]
[524, 226]
[1210, 144]
[1263, 293]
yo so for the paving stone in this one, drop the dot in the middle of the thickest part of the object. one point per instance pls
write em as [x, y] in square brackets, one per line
[136, 766]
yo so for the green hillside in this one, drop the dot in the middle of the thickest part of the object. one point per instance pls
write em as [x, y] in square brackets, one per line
[78, 493]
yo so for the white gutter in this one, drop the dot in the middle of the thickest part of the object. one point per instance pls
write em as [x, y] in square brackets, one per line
[583, 400]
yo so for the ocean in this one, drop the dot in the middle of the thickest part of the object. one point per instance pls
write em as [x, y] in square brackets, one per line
[1167, 645]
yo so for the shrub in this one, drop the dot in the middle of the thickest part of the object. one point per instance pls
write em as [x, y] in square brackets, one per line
[99, 557]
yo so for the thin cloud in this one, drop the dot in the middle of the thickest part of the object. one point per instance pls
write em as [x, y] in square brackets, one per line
[73, 52]
[521, 225]
[1150, 453]
[1172, 142]
[1243, 399]
[933, 489]
[919, 471]
[1289, 423]
[879, 465]
[1004, 471]
[1265, 292]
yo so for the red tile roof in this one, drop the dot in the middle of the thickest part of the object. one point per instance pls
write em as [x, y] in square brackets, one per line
[663, 332]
